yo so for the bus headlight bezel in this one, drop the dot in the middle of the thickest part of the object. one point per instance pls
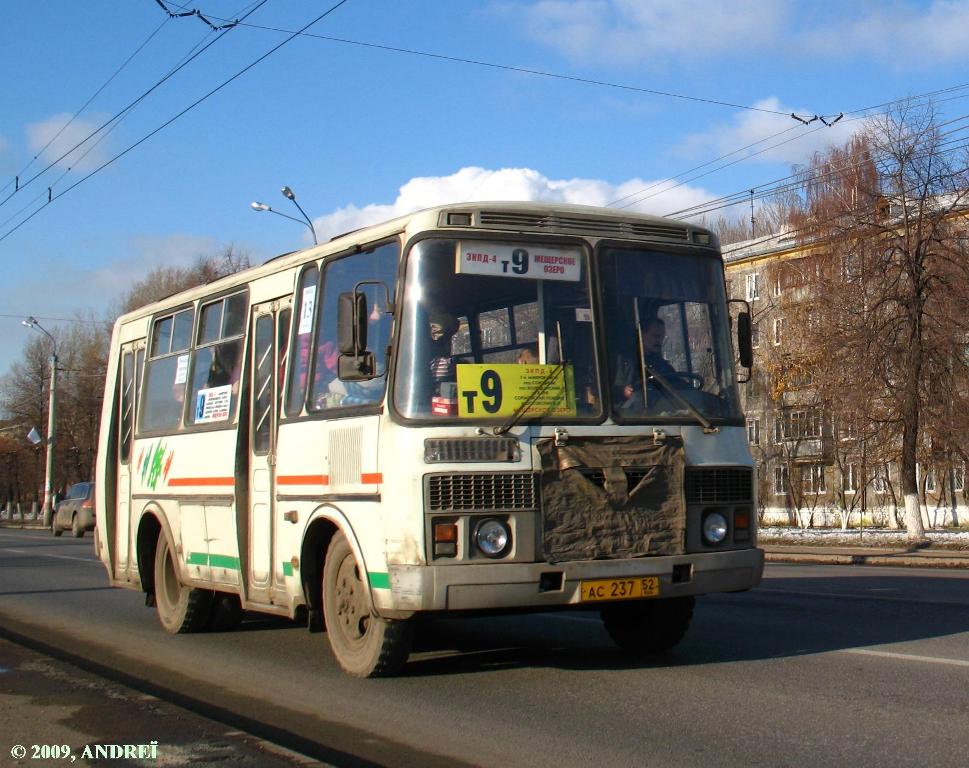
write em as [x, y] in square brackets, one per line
[492, 537]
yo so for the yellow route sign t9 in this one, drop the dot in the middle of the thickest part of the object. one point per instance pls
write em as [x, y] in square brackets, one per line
[497, 391]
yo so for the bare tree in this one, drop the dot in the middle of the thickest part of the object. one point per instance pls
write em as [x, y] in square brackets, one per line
[889, 211]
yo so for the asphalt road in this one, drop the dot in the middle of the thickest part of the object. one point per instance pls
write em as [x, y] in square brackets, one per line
[821, 666]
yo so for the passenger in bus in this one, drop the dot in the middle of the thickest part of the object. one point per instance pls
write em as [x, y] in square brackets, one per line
[528, 355]
[328, 390]
[442, 326]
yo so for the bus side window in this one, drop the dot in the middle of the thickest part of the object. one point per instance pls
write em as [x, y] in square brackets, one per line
[166, 373]
[341, 276]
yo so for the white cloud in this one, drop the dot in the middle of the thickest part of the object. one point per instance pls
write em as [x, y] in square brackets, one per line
[651, 31]
[63, 138]
[906, 34]
[516, 184]
[777, 139]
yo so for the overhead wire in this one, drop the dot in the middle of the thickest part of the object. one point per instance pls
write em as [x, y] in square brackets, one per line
[171, 120]
[131, 105]
[85, 105]
[794, 182]
[508, 67]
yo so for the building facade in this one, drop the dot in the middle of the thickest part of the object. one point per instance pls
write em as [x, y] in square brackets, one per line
[816, 467]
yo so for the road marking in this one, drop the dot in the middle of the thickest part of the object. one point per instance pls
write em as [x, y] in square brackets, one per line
[907, 657]
[59, 557]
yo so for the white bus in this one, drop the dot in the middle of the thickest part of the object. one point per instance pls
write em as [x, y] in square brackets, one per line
[478, 407]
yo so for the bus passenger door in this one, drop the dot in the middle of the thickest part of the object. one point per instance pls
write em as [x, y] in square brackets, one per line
[132, 361]
[270, 338]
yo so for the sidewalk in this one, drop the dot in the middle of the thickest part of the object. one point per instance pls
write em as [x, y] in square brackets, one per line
[894, 556]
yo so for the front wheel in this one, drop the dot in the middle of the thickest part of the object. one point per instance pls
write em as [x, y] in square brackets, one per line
[365, 645]
[180, 608]
[649, 626]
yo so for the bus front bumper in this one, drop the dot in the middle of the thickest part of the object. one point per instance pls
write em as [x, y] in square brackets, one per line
[493, 586]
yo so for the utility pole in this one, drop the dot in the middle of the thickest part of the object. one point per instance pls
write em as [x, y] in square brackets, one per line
[31, 322]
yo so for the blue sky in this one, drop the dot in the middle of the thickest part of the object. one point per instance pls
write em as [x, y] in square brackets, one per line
[362, 133]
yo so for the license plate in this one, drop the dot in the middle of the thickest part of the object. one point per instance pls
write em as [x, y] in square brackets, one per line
[619, 589]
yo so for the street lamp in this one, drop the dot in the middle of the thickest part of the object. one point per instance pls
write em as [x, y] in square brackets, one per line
[31, 322]
[289, 195]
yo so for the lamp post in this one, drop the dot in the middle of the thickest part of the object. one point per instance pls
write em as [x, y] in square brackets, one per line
[289, 195]
[31, 322]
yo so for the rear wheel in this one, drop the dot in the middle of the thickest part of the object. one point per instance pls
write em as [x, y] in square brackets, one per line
[364, 645]
[53, 526]
[180, 608]
[76, 528]
[648, 626]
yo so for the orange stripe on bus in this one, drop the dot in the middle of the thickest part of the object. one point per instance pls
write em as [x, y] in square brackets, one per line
[371, 478]
[219, 481]
[303, 480]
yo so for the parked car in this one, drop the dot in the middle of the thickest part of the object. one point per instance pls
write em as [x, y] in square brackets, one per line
[75, 512]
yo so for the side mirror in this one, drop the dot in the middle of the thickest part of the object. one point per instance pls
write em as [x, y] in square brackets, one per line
[356, 367]
[351, 323]
[745, 344]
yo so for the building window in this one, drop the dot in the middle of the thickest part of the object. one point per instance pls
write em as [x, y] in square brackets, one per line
[880, 482]
[780, 480]
[812, 478]
[797, 425]
[849, 478]
[755, 335]
[959, 478]
[753, 431]
[930, 481]
[778, 330]
[753, 286]
[778, 287]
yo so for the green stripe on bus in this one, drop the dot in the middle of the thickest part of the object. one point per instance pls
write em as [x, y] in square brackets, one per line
[287, 568]
[380, 580]
[216, 561]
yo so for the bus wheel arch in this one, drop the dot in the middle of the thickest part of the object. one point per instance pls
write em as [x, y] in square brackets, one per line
[149, 529]
[316, 541]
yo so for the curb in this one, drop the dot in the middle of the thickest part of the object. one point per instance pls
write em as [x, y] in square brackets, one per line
[904, 558]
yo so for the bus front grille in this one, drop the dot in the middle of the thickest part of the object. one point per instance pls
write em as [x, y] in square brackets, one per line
[718, 485]
[480, 492]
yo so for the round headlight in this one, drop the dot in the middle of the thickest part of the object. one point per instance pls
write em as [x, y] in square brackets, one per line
[714, 528]
[492, 537]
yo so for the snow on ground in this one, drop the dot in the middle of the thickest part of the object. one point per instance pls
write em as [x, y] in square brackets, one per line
[950, 538]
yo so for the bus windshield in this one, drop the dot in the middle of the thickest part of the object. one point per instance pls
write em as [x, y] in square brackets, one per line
[497, 331]
[667, 336]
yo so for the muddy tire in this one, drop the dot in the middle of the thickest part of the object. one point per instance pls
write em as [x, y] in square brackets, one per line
[53, 526]
[180, 608]
[77, 531]
[364, 645]
[650, 626]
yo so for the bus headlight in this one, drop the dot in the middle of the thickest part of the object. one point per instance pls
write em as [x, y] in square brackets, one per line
[492, 537]
[714, 528]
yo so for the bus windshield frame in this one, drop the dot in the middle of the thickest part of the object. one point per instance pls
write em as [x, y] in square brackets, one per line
[682, 350]
[495, 329]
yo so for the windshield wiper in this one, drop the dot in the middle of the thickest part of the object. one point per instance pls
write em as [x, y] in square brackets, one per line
[529, 401]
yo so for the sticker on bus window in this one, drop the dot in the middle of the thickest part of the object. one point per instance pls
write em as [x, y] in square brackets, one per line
[306, 310]
[497, 391]
[536, 262]
[213, 404]
[181, 369]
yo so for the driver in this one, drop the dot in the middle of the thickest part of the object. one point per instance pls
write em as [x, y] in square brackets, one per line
[654, 333]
